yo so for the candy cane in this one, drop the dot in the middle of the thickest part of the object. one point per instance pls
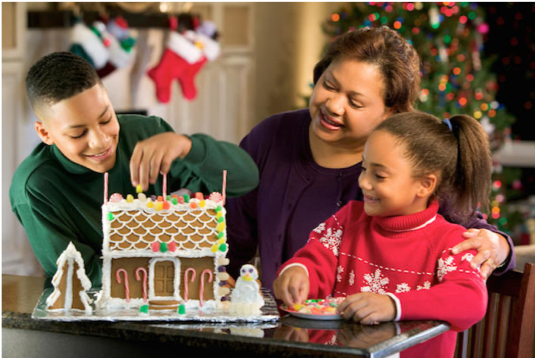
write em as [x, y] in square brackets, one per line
[186, 282]
[201, 292]
[138, 270]
[126, 288]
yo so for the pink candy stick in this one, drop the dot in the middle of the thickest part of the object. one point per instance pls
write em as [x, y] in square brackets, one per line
[224, 189]
[201, 292]
[186, 282]
[126, 288]
[164, 187]
[138, 270]
[106, 187]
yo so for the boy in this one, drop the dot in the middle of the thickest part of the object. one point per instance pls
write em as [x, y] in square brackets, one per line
[57, 192]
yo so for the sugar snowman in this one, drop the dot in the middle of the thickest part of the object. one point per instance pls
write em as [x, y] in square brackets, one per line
[246, 297]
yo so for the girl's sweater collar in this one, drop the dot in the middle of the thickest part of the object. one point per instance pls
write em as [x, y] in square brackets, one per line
[407, 223]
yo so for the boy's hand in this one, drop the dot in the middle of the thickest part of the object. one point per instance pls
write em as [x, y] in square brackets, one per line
[368, 308]
[292, 286]
[154, 155]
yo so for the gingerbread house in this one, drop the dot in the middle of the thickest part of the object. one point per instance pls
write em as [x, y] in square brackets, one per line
[164, 252]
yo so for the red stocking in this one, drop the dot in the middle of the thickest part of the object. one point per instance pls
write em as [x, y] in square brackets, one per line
[177, 58]
[187, 80]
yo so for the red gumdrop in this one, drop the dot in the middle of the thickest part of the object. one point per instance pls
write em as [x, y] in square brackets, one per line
[155, 246]
[171, 246]
[199, 196]
[166, 205]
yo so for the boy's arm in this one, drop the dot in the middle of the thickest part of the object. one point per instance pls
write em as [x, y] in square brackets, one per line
[460, 297]
[194, 162]
[49, 237]
[209, 157]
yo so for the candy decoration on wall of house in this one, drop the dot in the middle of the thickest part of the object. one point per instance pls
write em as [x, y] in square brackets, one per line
[145, 307]
[126, 286]
[186, 284]
[201, 290]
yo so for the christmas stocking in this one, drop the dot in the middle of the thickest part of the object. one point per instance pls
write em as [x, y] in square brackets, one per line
[210, 51]
[178, 56]
[87, 44]
[117, 39]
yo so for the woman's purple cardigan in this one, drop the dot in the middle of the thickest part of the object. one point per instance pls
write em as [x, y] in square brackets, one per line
[294, 196]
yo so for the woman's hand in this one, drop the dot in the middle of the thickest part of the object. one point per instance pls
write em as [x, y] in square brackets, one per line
[292, 285]
[155, 155]
[368, 308]
[492, 250]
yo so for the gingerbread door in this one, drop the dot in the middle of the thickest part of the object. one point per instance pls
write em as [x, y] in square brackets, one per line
[164, 278]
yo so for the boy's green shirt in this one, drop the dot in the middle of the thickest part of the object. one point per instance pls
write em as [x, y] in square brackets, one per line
[58, 201]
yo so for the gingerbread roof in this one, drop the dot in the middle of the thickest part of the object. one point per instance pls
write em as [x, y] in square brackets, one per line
[145, 227]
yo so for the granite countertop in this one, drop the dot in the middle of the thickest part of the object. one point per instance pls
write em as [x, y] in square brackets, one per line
[288, 337]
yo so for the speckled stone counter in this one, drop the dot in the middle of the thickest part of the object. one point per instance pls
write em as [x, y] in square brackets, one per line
[23, 336]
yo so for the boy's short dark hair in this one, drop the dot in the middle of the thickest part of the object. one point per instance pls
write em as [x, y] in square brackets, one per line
[58, 76]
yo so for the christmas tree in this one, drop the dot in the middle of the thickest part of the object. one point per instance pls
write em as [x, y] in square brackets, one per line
[456, 75]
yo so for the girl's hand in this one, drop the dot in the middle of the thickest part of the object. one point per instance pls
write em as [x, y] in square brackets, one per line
[368, 308]
[492, 250]
[292, 286]
[154, 155]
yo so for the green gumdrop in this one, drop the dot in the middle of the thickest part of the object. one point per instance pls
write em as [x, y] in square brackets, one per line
[181, 309]
[163, 247]
[174, 201]
[144, 309]
[186, 198]
[218, 209]
[110, 216]
[220, 235]
[221, 219]
[223, 247]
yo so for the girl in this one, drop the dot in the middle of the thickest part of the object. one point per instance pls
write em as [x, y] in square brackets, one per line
[309, 160]
[391, 255]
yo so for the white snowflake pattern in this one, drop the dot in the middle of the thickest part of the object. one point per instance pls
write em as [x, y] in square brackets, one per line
[403, 287]
[445, 266]
[376, 282]
[320, 228]
[426, 286]
[352, 278]
[468, 257]
[331, 240]
[339, 272]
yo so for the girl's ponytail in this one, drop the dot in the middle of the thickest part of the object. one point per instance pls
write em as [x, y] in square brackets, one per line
[474, 165]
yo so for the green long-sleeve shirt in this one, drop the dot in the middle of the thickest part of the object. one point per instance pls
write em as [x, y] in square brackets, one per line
[58, 201]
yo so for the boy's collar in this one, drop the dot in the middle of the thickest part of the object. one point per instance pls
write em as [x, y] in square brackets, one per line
[69, 165]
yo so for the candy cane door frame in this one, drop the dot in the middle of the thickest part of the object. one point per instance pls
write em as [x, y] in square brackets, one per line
[164, 278]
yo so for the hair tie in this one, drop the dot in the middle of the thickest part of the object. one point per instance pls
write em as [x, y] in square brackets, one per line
[447, 122]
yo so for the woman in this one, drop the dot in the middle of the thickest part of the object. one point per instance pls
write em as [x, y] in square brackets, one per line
[310, 160]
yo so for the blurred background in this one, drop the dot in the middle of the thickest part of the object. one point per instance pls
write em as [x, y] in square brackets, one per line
[477, 59]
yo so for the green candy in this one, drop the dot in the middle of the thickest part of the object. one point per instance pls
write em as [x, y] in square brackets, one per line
[186, 198]
[221, 219]
[110, 216]
[144, 309]
[220, 235]
[163, 247]
[182, 309]
[174, 201]
[223, 247]
[218, 209]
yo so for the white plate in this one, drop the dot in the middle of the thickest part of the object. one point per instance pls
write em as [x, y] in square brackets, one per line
[322, 317]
